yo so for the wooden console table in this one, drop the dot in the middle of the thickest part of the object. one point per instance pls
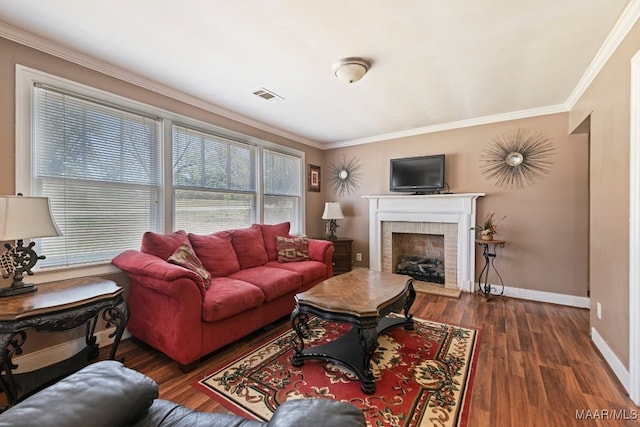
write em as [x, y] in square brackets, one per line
[55, 307]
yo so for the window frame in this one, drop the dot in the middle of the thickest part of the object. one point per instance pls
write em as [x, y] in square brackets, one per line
[26, 77]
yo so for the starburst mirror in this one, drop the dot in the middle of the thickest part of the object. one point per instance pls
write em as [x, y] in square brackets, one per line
[517, 158]
[344, 175]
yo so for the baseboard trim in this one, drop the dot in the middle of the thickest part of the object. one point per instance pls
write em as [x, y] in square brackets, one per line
[541, 296]
[612, 360]
[50, 355]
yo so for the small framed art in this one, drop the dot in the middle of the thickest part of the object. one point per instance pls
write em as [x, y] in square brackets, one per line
[314, 178]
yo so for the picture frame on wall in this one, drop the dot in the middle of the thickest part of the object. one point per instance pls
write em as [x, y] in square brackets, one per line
[314, 178]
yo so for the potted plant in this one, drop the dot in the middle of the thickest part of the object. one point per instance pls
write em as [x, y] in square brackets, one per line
[489, 227]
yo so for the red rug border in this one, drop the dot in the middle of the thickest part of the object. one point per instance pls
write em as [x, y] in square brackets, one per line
[234, 408]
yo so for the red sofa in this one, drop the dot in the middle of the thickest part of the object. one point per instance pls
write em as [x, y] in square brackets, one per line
[186, 316]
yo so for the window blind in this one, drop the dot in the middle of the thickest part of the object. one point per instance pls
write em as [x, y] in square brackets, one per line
[101, 168]
[281, 178]
[214, 182]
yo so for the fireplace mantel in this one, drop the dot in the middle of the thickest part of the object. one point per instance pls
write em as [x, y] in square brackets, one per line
[459, 209]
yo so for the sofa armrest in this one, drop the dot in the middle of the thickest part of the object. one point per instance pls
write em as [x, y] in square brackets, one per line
[102, 394]
[322, 250]
[150, 266]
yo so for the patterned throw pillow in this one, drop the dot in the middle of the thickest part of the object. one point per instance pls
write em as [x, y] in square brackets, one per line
[292, 248]
[185, 257]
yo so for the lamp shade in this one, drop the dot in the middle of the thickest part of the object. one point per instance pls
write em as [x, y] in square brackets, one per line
[332, 211]
[24, 217]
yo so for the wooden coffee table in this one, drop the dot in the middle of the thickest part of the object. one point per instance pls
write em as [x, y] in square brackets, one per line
[362, 298]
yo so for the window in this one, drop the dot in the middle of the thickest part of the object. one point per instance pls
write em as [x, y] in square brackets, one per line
[282, 178]
[110, 165]
[214, 182]
[100, 167]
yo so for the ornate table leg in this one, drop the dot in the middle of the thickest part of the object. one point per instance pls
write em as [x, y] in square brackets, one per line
[369, 342]
[410, 297]
[11, 343]
[299, 324]
[118, 316]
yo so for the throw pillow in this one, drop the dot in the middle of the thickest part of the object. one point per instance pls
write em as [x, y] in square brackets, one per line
[249, 246]
[292, 248]
[186, 257]
[269, 234]
[163, 245]
[216, 253]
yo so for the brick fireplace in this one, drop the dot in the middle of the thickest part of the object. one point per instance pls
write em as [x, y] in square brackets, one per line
[449, 216]
[420, 239]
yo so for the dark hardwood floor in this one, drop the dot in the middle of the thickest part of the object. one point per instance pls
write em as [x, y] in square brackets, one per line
[536, 365]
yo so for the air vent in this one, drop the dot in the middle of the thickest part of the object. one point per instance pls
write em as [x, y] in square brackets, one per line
[267, 94]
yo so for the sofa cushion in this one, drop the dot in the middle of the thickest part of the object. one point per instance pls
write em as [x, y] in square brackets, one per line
[273, 282]
[291, 249]
[249, 246]
[185, 257]
[308, 270]
[216, 253]
[269, 234]
[226, 297]
[163, 245]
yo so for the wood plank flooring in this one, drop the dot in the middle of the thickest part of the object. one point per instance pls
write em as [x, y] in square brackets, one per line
[536, 365]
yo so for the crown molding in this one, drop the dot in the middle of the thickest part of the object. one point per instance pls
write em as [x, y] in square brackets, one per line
[514, 115]
[620, 30]
[34, 41]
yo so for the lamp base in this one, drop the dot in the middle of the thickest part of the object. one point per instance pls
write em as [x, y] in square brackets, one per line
[24, 288]
[333, 226]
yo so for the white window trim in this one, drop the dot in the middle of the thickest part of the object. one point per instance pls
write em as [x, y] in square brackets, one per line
[26, 77]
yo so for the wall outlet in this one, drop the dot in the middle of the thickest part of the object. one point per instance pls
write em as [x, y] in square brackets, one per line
[358, 256]
[599, 311]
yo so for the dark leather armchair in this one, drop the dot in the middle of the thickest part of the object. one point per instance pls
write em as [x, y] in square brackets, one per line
[108, 394]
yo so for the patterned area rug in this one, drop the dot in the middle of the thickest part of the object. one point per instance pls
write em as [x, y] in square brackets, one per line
[423, 377]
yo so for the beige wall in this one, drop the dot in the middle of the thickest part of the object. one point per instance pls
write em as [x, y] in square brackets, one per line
[546, 224]
[607, 101]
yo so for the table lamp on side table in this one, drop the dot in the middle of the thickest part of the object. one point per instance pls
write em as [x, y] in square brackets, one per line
[23, 218]
[332, 212]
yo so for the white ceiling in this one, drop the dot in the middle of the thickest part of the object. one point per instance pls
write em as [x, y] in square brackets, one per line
[436, 63]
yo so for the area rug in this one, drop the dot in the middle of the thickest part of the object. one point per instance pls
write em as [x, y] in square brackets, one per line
[423, 377]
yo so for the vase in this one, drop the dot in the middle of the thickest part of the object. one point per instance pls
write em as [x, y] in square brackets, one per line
[486, 237]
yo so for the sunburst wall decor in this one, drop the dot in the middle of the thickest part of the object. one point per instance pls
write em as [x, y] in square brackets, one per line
[517, 158]
[344, 175]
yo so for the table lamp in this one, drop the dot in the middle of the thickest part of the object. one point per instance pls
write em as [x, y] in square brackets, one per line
[23, 218]
[332, 212]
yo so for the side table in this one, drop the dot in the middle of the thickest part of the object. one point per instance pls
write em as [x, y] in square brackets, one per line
[489, 257]
[342, 259]
[57, 306]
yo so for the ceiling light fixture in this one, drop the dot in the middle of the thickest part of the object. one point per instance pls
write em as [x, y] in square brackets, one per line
[350, 70]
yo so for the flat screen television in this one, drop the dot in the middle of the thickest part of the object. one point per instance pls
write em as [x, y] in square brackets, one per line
[418, 175]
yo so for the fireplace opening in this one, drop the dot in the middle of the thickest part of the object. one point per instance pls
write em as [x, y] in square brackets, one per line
[420, 256]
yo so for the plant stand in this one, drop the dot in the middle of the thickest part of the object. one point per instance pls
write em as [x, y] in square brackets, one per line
[484, 286]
